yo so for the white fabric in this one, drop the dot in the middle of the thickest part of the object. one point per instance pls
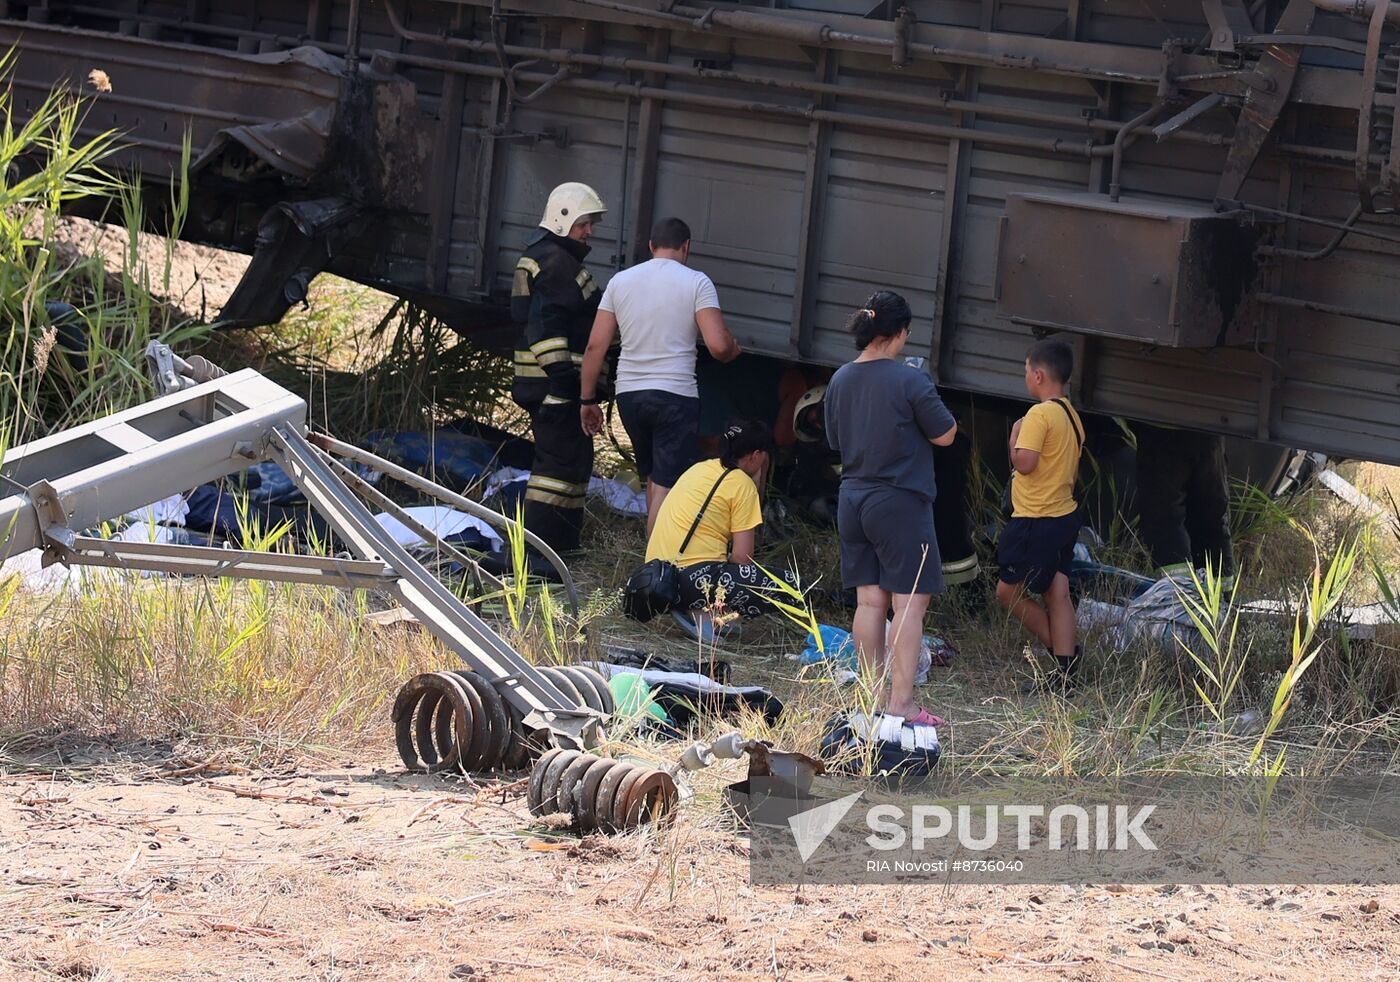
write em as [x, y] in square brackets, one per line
[695, 680]
[655, 304]
[442, 522]
[168, 511]
[894, 729]
[616, 495]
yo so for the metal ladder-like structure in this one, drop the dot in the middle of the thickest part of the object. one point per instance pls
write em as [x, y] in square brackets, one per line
[209, 424]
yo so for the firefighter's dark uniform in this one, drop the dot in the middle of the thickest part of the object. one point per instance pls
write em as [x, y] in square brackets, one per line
[555, 297]
[1183, 492]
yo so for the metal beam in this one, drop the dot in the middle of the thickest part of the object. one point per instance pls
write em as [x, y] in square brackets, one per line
[540, 701]
[648, 140]
[485, 188]
[238, 564]
[813, 197]
[443, 178]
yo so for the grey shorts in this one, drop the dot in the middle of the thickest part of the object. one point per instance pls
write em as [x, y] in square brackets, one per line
[887, 540]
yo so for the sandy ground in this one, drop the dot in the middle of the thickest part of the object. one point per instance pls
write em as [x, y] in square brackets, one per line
[202, 278]
[113, 868]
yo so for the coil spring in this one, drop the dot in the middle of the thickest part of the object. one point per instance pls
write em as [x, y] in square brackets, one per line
[602, 794]
[459, 720]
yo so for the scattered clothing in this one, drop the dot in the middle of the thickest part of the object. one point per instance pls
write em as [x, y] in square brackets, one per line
[888, 745]
[455, 460]
[168, 511]
[447, 523]
[507, 486]
[266, 483]
[640, 658]
[686, 694]
[838, 649]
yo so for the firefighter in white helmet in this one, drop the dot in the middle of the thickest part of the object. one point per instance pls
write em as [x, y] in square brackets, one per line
[555, 298]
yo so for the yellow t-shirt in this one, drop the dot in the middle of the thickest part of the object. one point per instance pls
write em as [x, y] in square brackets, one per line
[734, 508]
[1047, 491]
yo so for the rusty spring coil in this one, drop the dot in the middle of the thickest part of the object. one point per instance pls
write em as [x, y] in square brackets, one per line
[602, 794]
[458, 721]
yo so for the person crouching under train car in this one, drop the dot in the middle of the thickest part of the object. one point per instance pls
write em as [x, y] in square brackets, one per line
[555, 297]
[818, 481]
[1183, 498]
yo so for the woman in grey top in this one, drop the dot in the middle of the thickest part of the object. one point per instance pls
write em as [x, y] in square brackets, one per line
[884, 418]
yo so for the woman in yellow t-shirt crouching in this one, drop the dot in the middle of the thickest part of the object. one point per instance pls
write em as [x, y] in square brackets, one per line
[717, 571]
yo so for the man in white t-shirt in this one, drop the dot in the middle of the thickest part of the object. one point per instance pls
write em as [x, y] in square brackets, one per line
[659, 307]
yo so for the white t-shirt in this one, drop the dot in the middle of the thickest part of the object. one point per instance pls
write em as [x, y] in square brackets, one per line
[655, 305]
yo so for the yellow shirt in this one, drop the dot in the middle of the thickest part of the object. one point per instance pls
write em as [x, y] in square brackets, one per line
[1047, 491]
[734, 508]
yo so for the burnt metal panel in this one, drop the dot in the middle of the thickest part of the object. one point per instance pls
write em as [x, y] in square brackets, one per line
[1158, 272]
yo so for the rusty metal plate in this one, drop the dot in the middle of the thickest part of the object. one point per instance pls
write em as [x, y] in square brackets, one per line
[1163, 273]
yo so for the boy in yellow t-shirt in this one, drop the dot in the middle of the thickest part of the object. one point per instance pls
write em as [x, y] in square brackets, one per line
[1037, 545]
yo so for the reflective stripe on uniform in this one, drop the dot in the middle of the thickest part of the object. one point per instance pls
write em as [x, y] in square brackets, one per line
[1175, 569]
[557, 484]
[555, 400]
[556, 492]
[551, 351]
[525, 272]
[552, 499]
[584, 279]
[526, 366]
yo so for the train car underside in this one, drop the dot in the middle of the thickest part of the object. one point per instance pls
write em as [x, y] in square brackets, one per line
[1197, 191]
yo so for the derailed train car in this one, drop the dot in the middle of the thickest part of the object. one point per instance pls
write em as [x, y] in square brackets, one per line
[1198, 191]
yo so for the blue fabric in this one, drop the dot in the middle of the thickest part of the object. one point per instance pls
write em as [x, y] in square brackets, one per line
[838, 644]
[454, 459]
[271, 485]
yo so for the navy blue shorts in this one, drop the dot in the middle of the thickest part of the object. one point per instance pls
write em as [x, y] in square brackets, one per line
[1033, 550]
[664, 429]
[887, 540]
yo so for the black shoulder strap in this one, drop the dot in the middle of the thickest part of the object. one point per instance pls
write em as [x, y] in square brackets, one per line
[1078, 436]
[701, 514]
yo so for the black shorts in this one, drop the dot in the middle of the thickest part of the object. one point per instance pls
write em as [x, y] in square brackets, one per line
[887, 540]
[1033, 550]
[664, 429]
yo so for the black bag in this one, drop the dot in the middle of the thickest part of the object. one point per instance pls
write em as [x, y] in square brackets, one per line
[654, 587]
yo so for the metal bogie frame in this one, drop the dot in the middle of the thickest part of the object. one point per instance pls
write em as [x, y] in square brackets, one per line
[205, 430]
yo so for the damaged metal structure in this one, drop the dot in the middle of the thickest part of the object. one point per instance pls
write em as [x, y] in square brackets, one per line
[1199, 191]
[503, 712]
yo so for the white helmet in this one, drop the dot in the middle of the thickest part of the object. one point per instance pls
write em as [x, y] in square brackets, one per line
[812, 397]
[567, 204]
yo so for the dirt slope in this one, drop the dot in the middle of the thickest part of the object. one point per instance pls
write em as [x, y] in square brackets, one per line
[128, 872]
